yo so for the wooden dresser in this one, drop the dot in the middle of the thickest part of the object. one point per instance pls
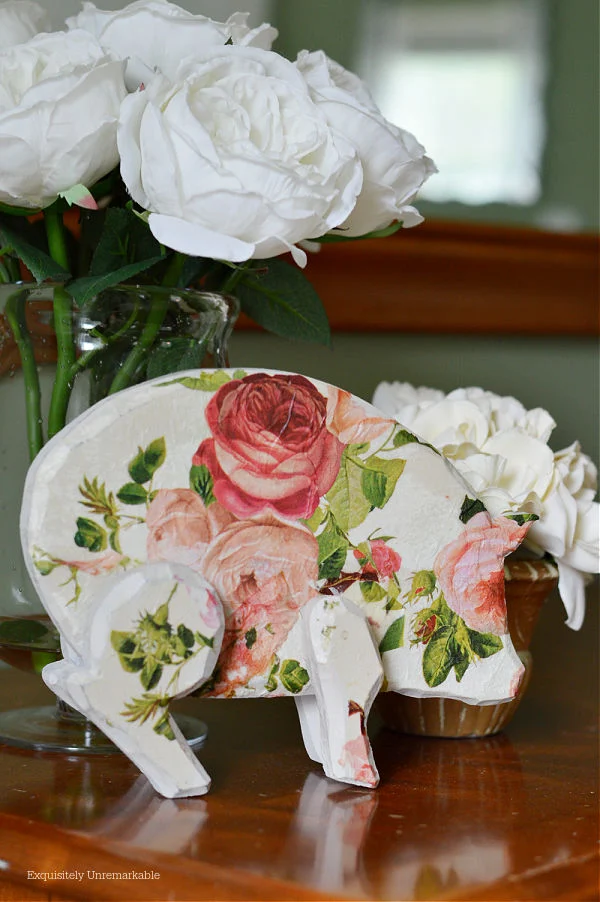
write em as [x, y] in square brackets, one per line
[513, 817]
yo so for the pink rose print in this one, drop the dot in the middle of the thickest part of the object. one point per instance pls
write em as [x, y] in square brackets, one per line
[470, 571]
[262, 570]
[349, 420]
[97, 565]
[271, 449]
[385, 559]
[180, 527]
[356, 757]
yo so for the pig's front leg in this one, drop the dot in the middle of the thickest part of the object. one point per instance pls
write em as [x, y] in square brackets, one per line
[153, 635]
[346, 675]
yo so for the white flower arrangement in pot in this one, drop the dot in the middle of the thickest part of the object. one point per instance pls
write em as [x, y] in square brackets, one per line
[501, 450]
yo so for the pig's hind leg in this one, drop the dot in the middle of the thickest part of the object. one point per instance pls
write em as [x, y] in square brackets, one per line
[346, 675]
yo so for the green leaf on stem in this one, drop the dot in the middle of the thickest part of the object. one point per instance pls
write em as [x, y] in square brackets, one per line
[40, 264]
[174, 355]
[282, 300]
[124, 239]
[81, 290]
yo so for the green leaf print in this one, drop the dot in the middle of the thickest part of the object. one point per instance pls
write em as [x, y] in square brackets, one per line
[381, 476]
[147, 461]
[201, 482]
[394, 636]
[461, 661]
[372, 591]
[293, 676]
[346, 498]
[205, 381]
[271, 681]
[90, 535]
[403, 437]
[470, 507]
[484, 644]
[374, 486]
[333, 548]
[521, 518]
[438, 658]
[151, 674]
[132, 493]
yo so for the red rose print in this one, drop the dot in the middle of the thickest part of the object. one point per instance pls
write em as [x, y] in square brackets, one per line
[385, 561]
[470, 571]
[271, 449]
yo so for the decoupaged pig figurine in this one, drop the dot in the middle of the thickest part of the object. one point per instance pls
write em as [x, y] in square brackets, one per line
[259, 534]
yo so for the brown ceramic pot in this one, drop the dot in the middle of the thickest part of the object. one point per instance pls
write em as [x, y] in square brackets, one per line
[528, 584]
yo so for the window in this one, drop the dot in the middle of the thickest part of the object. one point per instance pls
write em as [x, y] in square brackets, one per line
[467, 77]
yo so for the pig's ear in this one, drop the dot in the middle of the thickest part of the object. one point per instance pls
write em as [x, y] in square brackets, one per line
[154, 635]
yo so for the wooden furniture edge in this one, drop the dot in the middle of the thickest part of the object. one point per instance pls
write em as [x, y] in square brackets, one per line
[575, 878]
[45, 848]
[447, 277]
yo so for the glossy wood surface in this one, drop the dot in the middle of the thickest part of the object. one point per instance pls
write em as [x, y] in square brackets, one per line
[513, 817]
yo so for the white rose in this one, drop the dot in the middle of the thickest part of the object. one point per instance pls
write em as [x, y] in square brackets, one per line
[234, 160]
[569, 527]
[394, 163]
[59, 105]
[156, 34]
[20, 20]
[501, 450]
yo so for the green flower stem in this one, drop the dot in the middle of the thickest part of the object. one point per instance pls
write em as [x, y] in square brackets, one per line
[84, 360]
[174, 270]
[15, 314]
[63, 322]
[156, 315]
[55, 232]
[63, 382]
[236, 276]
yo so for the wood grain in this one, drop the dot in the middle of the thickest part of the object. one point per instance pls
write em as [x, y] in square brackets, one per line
[512, 817]
[462, 278]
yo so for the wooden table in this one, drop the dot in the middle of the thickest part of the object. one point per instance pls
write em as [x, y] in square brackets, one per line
[512, 817]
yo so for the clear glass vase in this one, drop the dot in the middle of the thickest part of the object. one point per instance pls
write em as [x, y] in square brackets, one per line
[56, 360]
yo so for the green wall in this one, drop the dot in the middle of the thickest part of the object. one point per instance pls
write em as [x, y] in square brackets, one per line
[561, 375]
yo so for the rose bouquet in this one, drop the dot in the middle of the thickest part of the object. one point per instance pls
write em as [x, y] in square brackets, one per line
[501, 449]
[152, 144]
